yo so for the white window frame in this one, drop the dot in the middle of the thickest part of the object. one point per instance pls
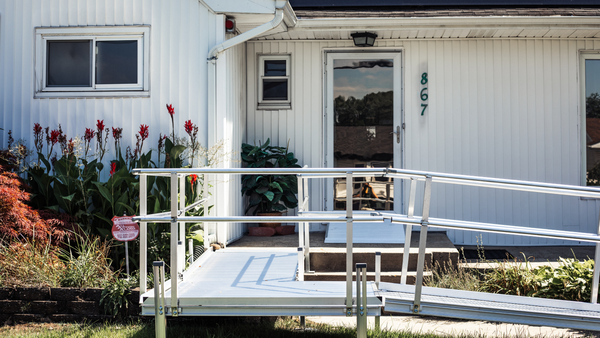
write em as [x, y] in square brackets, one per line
[139, 33]
[274, 104]
[583, 56]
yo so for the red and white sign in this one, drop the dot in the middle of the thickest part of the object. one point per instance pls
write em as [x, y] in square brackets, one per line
[124, 229]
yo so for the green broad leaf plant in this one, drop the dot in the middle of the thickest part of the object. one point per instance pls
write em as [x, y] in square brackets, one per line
[269, 193]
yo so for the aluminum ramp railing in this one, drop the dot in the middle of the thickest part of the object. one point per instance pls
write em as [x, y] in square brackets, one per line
[399, 298]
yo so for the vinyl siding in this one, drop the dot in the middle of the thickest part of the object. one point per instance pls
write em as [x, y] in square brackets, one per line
[506, 108]
[181, 34]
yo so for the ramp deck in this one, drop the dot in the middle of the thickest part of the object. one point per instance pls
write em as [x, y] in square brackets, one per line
[256, 282]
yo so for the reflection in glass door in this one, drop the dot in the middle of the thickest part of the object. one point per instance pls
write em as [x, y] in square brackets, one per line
[363, 135]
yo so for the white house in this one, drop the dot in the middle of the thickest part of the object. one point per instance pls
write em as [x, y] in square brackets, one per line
[494, 89]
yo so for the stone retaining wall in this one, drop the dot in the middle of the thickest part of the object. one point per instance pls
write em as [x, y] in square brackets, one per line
[56, 305]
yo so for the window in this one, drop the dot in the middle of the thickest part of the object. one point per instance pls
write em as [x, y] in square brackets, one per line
[274, 82]
[590, 82]
[92, 61]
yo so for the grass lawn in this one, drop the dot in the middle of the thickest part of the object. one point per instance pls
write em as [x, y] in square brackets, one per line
[220, 328]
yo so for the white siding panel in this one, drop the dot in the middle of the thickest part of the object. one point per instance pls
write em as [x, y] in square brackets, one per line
[497, 107]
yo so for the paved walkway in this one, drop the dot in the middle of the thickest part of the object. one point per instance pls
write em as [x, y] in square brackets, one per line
[445, 326]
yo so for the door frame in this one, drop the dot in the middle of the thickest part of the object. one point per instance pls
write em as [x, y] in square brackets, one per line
[328, 125]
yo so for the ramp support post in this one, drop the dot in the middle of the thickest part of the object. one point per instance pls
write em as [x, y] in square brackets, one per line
[160, 320]
[408, 237]
[422, 244]
[361, 300]
[349, 190]
[377, 280]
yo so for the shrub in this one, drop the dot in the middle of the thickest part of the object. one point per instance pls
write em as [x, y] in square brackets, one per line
[19, 219]
[572, 280]
[31, 264]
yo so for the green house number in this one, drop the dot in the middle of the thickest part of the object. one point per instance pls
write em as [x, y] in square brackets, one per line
[424, 95]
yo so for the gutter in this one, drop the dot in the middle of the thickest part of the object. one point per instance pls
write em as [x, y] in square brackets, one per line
[214, 52]
[412, 23]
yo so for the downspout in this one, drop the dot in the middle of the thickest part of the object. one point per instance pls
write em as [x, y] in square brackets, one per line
[212, 83]
[212, 65]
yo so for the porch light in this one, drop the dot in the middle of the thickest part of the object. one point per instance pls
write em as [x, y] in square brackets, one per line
[364, 39]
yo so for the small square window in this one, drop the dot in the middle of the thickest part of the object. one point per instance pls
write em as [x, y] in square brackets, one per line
[92, 61]
[274, 82]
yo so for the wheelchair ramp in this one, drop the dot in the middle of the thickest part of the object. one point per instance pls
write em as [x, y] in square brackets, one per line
[256, 282]
[491, 307]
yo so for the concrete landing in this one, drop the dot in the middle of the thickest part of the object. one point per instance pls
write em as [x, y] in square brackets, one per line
[328, 260]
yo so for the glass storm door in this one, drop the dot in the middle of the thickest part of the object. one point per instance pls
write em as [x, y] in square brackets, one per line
[364, 127]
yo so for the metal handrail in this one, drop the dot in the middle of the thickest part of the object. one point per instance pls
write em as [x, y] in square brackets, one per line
[349, 216]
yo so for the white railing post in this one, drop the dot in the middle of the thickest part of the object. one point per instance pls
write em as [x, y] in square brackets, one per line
[300, 210]
[300, 264]
[408, 237]
[205, 205]
[181, 242]
[143, 234]
[422, 244]
[349, 221]
[596, 275]
[377, 281]
[306, 226]
[174, 246]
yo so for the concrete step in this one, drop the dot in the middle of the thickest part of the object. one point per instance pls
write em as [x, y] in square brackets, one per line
[333, 259]
[389, 277]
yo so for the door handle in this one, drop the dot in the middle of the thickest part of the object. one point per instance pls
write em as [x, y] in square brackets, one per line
[397, 132]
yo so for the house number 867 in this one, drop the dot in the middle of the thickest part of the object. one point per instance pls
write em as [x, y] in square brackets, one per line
[424, 95]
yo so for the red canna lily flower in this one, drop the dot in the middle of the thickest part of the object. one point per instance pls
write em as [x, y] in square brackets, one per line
[37, 129]
[113, 168]
[117, 133]
[143, 131]
[100, 125]
[89, 134]
[54, 135]
[189, 127]
[171, 109]
[193, 179]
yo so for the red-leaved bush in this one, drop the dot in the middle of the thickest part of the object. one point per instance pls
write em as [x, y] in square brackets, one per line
[17, 219]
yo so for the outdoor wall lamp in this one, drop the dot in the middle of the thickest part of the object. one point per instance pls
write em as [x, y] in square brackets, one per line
[364, 39]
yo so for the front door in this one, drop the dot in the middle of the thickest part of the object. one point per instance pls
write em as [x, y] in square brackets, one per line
[364, 130]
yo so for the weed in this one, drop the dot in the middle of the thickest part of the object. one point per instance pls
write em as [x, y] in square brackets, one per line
[452, 276]
[28, 263]
[510, 278]
[115, 297]
[88, 262]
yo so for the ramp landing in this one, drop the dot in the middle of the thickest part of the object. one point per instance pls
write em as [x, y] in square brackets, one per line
[256, 282]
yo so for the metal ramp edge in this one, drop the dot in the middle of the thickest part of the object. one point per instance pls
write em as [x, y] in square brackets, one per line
[491, 307]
